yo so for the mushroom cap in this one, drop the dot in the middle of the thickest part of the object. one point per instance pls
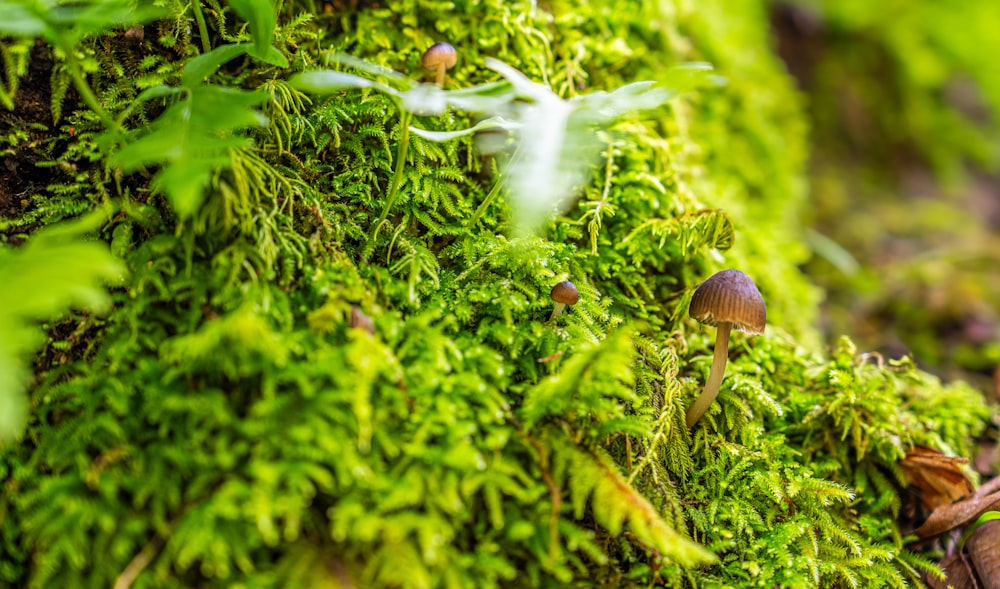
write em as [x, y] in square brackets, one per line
[439, 54]
[732, 297]
[565, 292]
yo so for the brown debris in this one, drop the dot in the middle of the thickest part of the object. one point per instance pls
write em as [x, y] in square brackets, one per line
[984, 552]
[957, 574]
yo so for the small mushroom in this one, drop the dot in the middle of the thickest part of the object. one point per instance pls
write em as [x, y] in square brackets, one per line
[727, 300]
[135, 34]
[439, 57]
[361, 321]
[563, 294]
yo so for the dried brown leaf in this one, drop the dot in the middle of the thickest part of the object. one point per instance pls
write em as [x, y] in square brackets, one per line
[986, 498]
[939, 477]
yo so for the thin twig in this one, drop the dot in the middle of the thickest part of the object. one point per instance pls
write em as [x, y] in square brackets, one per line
[138, 563]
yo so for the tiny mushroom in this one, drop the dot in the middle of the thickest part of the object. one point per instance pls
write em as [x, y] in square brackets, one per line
[439, 57]
[727, 300]
[361, 321]
[563, 294]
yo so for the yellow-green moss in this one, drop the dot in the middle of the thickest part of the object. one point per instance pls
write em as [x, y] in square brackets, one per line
[225, 426]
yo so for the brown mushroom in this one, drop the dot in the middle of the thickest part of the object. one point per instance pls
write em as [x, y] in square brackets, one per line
[563, 294]
[727, 300]
[439, 57]
[361, 321]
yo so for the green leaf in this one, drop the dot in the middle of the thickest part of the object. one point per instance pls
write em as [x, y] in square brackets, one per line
[260, 16]
[64, 24]
[595, 381]
[18, 21]
[191, 139]
[55, 270]
[272, 56]
[146, 95]
[205, 64]
[987, 516]
[375, 70]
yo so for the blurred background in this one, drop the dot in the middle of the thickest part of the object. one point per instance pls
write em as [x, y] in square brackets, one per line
[904, 211]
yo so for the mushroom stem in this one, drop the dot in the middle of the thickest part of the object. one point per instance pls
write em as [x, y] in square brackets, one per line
[557, 310]
[440, 75]
[715, 374]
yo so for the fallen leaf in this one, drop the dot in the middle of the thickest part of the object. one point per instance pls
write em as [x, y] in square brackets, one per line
[986, 498]
[939, 477]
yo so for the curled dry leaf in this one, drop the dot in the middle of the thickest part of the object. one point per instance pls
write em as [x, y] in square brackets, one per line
[960, 513]
[939, 477]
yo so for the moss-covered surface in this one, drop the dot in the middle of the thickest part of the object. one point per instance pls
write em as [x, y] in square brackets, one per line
[223, 425]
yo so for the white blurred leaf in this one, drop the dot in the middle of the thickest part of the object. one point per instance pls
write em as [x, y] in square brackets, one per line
[485, 98]
[558, 141]
[329, 81]
[424, 100]
[442, 136]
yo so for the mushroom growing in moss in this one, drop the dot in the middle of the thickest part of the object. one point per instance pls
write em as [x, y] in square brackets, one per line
[563, 294]
[727, 300]
[438, 58]
[361, 321]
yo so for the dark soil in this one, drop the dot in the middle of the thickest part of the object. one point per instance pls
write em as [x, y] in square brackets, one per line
[20, 177]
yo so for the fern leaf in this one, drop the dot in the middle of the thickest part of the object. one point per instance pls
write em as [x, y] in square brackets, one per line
[616, 504]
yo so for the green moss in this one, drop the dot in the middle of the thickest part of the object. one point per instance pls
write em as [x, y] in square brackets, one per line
[224, 426]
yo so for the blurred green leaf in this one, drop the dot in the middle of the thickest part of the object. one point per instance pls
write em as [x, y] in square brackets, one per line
[205, 64]
[20, 21]
[260, 16]
[65, 24]
[191, 139]
[55, 270]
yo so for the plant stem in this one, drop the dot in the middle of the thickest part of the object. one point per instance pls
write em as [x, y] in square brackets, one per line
[486, 203]
[397, 178]
[199, 16]
[493, 191]
[715, 374]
